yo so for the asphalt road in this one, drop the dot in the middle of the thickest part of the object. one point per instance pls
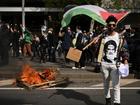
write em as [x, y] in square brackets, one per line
[66, 96]
[84, 88]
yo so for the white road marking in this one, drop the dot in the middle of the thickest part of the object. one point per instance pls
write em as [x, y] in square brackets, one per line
[70, 88]
[123, 82]
[96, 86]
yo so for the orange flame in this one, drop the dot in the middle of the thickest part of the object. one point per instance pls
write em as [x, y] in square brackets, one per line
[31, 76]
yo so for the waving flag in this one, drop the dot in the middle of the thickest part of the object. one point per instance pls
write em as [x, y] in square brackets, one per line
[92, 11]
[95, 12]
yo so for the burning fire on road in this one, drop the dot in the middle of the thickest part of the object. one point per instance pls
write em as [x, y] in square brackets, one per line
[31, 78]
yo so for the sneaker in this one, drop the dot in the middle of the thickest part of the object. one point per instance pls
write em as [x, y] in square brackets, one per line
[83, 68]
[108, 101]
[75, 68]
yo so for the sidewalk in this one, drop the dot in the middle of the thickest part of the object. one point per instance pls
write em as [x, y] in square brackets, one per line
[78, 78]
[15, 66]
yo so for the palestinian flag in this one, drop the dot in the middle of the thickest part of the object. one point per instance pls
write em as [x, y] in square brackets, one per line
[95, 12]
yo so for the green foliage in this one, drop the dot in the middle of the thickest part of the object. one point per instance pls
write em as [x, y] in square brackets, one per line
[117, 4]
[63, 3]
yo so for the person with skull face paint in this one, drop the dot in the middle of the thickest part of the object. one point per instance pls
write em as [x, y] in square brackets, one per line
[109, 60]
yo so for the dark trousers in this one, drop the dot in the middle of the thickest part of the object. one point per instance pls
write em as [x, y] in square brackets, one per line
[81, 62]
[51, 54]
[65, 54]
[4, 55]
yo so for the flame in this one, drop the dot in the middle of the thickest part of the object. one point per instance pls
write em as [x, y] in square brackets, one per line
[49, 74]
[31, 76]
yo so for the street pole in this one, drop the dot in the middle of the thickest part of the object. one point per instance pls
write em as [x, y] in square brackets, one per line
[23, 15]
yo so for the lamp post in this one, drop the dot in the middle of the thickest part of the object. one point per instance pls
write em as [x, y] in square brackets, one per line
[23, 14]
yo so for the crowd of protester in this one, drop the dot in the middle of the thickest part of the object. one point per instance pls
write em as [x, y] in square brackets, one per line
[45, 47]
[48, 46]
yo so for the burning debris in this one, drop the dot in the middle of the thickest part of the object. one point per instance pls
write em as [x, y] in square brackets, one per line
[30, 78]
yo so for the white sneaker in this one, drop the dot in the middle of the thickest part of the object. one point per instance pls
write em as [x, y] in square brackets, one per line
[75, 68]
[83, 67]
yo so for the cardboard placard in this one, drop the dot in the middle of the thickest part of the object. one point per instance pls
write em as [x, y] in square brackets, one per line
[74, 54]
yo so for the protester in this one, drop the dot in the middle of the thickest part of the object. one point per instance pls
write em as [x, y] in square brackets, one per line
[35, 46]
[85, 41]
[110, 59]
[52, 43]
[15, 42]
[27, 40]
[79, 45]
[5, 39]
[43, 45]
[66, 43]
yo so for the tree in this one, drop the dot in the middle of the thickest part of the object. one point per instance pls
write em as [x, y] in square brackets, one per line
[63, 3]
[119, 4]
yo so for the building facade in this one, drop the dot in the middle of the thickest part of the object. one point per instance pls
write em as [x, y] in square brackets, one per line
[35, 12]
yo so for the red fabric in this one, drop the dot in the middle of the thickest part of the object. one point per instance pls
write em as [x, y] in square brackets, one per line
[118, 15]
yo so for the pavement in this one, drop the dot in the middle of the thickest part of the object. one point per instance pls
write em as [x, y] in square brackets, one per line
[86, 77]
[15, 66]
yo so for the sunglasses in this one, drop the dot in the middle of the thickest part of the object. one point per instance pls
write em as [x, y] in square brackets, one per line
[111, 25]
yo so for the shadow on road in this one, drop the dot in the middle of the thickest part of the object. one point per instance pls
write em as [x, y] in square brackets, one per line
[71, 94]
[9, 101]
[138, 92]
